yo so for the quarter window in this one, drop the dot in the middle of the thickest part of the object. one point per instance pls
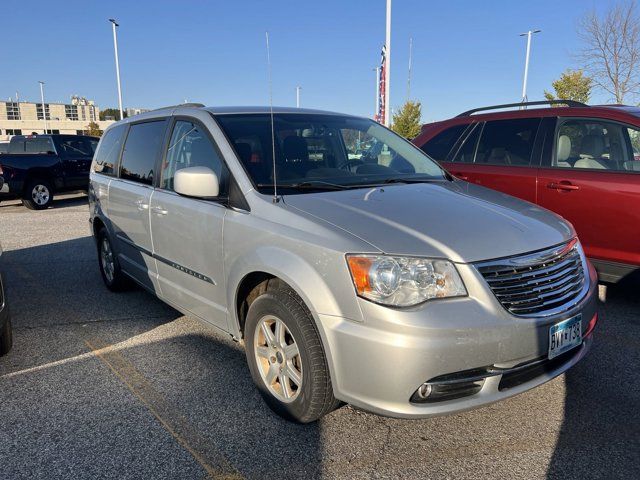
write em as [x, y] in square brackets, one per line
[597, 145]
[189, 147]
[507, 142]
[108, 151]
[439, 146]
[468, 150]
[141, 151]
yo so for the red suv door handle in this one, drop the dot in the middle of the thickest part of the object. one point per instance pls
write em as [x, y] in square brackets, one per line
[563, 185]
[460, 176]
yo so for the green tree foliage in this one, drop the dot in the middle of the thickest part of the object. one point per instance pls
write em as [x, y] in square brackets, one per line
[93, 129]
[112, 113]
[572, 85]
[407, 121]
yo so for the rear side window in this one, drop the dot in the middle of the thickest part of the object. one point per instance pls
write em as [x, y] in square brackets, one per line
[141, 150]
[507, 142]
[39, 145]
[109, 148]
[76, 147]
[439, 146]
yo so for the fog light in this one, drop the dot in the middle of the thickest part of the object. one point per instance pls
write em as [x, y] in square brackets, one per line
[424, 391]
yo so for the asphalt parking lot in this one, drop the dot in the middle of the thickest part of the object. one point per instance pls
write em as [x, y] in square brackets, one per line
[119, 385]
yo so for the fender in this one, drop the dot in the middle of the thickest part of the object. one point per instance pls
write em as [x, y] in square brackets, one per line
[306, 280]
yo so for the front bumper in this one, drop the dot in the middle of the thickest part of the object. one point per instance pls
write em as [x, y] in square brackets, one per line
[378, 364]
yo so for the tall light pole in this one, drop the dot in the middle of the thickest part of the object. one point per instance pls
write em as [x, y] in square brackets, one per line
[377, 109]
[44, 111]
[298, 88]
[526, 62]
[387, 69]
[114, 24]
[409, 75]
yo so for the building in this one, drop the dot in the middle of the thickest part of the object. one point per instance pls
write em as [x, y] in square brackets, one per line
[26, 118]
[135, 111]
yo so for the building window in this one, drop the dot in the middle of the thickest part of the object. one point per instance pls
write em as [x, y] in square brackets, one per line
[39, 111]
[92, 114]
[13, 111]
[71, 112]
[84, 116]
[14, 131]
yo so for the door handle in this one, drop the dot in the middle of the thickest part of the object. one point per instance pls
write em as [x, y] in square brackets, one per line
[159, 211]
[563, 185]
[141, 205]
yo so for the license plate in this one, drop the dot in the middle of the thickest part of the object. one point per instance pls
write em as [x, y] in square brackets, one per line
[565, 335]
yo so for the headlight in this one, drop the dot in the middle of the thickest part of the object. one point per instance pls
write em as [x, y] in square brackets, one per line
[404, 281]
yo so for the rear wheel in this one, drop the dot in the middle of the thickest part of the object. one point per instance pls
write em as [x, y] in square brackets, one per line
[6, 337]
[38, 195]
[286, 357]
[112, 274]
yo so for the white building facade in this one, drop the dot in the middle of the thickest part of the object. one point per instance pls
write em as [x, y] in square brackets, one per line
[26, 118]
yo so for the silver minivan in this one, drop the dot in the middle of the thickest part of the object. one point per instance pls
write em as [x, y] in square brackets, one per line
[351, 266]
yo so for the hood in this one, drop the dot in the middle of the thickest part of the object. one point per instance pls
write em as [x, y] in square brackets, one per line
[454, 220]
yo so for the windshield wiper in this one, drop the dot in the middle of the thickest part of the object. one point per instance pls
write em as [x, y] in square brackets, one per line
[308, 185]
[410, 180]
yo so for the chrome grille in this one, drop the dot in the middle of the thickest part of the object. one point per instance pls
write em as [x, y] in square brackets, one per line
[537, 284]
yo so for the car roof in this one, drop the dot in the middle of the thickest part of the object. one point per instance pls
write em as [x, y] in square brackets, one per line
[267, 110]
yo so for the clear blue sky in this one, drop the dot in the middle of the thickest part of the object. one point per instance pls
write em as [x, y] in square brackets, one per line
[466, 53]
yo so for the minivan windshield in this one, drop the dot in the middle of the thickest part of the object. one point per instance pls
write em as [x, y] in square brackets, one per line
[324, 152]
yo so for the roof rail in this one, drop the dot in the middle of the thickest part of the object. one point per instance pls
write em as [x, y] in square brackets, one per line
[194, 105]
[569, 103]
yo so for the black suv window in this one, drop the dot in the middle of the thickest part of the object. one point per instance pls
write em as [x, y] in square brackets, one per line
[108, 151]
[439, 146]
[507, 142]
[189, 147]
[141, 151]
[39, 145]
[76, 147]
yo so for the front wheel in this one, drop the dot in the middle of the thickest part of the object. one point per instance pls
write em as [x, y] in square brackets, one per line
[38, 195]
[286, 357]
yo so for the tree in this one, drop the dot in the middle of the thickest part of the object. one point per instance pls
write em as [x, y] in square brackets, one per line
[407, 121]
[112, 113]
[93, 129]
[611, 55]
[572, 85]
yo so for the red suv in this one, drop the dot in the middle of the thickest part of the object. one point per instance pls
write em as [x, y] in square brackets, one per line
[580, 161]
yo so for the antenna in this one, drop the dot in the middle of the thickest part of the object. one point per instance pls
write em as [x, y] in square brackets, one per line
[273, 135]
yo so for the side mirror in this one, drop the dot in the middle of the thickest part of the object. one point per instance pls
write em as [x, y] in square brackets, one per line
[200, 182]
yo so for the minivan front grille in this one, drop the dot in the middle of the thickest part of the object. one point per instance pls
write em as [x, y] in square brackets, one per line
[537, 284]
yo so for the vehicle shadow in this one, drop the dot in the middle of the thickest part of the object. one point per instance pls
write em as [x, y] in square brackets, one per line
[80, 352]
[600, 434]
[64, 201]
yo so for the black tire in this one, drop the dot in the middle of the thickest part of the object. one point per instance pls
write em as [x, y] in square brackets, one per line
[38, 195]
[315, 398]
[6, 337]
[117, 281]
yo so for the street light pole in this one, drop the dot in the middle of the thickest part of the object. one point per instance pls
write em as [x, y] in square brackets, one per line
[387, 69]
[44, 111]
[526, 62]
[377, 109]
[298, 88]
[114, 24]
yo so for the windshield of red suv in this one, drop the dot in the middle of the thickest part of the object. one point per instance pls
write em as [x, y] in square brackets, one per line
[316, 151]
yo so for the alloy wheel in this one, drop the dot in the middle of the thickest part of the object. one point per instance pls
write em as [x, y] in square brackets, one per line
[278, 358]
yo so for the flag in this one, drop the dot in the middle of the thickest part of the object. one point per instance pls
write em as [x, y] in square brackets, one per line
[382, 101]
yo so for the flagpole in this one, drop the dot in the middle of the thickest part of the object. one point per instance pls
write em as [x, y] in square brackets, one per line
[387, 69]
